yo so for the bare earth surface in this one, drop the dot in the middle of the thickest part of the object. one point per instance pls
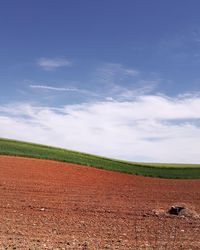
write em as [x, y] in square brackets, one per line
[52, 205]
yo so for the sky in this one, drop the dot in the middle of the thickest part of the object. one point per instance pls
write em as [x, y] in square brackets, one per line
[118, 78]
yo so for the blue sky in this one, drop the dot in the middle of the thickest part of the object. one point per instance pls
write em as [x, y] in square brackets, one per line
[118, 78]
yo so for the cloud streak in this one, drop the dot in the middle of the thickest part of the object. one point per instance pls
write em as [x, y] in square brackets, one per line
[149, 128]
[62, 89]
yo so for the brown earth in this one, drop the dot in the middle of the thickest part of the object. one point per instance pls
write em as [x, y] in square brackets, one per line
[51, 205]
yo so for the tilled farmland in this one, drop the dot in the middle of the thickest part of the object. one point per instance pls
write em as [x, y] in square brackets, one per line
[52, 205]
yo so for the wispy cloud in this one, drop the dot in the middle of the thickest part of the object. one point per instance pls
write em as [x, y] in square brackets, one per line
[110, 72]
[121, 93]
[108, 81]
[180, 47]
[62, 89]
[53, 63]
[149, 128]
[123, 83]
[112, 69]
[46, 87]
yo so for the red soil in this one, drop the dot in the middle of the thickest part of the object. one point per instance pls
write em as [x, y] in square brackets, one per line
[51, 205]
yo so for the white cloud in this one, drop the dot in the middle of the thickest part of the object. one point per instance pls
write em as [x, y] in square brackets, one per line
[150, 128]
[53, 63]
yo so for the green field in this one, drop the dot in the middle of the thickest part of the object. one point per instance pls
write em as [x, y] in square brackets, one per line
[178, 171]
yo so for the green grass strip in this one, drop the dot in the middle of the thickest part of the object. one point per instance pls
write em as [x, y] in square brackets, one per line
[176, 171]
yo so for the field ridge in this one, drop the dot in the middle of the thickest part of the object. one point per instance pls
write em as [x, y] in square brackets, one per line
[162, 170]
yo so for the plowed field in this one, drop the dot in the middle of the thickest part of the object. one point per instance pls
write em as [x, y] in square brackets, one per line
[52, 205]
